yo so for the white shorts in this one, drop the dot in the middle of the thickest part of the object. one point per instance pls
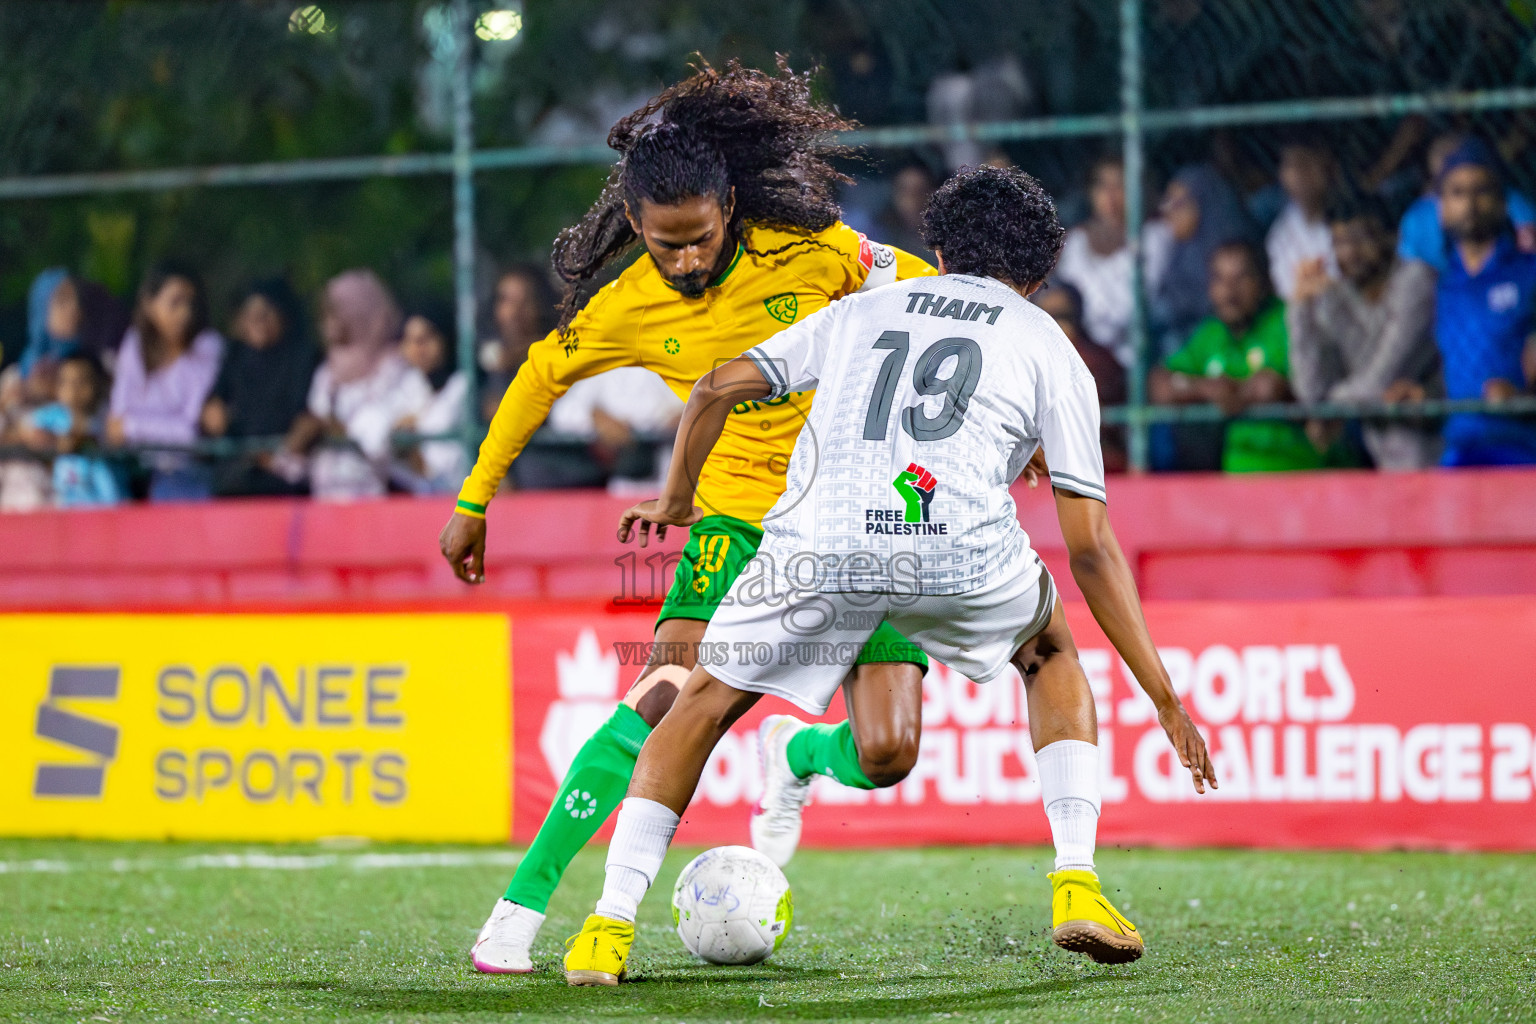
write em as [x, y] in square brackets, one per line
[801, 646]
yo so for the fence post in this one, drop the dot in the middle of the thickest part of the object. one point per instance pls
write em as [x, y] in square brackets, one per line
[1131, 127]
[464, 212]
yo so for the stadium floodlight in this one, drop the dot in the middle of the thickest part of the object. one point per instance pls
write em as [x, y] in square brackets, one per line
[310, 19]
[499, 26]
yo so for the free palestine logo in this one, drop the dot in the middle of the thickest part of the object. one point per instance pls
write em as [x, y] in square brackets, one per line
[915, 485]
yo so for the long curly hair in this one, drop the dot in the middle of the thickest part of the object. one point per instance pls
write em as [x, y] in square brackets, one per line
[759, 133]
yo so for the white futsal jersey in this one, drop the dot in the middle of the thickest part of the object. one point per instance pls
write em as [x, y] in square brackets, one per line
[931, 396]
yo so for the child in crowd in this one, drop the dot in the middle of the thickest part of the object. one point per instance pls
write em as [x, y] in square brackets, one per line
[62, 432]
[70, 426]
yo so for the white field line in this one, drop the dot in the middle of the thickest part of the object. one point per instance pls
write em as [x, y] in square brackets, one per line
[268, 862]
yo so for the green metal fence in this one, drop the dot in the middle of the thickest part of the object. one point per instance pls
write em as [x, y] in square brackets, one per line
[1135, 124]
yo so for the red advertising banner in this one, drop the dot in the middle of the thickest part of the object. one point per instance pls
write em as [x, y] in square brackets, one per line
[1347, 723]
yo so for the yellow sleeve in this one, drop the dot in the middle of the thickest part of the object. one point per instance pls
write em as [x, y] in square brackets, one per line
[601, 338]
[909, 266]
[850, 261]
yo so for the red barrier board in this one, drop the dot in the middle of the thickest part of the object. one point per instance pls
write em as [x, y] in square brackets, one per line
[1344, 724]
[1211, 537]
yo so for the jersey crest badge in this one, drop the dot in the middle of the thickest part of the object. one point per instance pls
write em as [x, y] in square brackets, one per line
[783, 308]
[916, 486]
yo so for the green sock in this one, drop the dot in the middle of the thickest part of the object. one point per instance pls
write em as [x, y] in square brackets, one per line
[827, 750]
[594, 786]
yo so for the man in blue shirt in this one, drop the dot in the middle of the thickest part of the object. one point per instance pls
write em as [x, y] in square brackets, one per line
[1421, 236]
[1485, 315]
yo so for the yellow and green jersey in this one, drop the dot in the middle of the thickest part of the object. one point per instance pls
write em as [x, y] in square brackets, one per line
[641, 320]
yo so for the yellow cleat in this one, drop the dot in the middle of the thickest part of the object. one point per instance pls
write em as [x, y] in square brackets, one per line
[596, 954]
[1084, 922]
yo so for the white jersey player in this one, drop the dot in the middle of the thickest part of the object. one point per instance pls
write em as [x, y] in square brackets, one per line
[931, 399]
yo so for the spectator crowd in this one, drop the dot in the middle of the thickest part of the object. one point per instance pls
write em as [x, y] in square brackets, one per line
[1336, 298]
[104, 406]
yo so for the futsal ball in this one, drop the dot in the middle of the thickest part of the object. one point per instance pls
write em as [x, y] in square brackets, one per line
[732, 906]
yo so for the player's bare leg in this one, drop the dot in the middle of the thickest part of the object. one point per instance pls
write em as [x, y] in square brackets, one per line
[591, 789]
[672, 761]
[1064, 730]
[1060, 700]
[885, 712]
[885, 709]
[673, 657]
[666, 775]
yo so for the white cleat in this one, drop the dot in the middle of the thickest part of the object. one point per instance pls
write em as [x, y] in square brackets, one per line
[505, 942]
[776, 818]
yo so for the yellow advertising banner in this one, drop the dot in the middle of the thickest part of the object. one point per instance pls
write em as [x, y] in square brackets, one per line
[256, 726]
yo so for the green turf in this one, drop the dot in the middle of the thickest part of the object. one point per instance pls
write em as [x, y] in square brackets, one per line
[891, 935]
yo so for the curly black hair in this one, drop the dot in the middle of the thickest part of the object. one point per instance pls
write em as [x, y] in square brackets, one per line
[994, 222]
[759, 133]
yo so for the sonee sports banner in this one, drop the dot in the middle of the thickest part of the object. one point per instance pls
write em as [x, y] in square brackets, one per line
[255, 726]
[1352, 723]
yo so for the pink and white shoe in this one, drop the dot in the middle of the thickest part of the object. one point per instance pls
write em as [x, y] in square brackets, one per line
[505, 942]
[776, 818]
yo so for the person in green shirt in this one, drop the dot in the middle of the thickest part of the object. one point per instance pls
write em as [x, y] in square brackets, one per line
[1238, 357]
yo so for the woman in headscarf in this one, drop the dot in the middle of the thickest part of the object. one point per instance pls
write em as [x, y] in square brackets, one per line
[53, 322]
[359, 393]
[165, 369]
[262, 387]
[1202, 211]
[66, 315]
[53, 319]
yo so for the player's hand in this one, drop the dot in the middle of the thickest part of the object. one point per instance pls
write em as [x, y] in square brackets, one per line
[462, 542]
[663, 516]
[1036, 469]
[1189, 745]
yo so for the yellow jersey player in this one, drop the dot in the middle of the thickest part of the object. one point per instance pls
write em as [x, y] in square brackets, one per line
[725, 180]
[934, 548]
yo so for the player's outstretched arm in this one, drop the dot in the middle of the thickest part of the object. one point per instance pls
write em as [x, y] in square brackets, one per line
[704, 417]
[1101, 572]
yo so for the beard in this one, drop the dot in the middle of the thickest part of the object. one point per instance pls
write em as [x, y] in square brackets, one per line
[1476, 229]
[691, 285]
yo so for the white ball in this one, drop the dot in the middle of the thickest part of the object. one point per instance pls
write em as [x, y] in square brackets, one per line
[732, 905]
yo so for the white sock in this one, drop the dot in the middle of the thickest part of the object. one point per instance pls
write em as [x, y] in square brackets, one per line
[639, 845]
[1069, 788]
